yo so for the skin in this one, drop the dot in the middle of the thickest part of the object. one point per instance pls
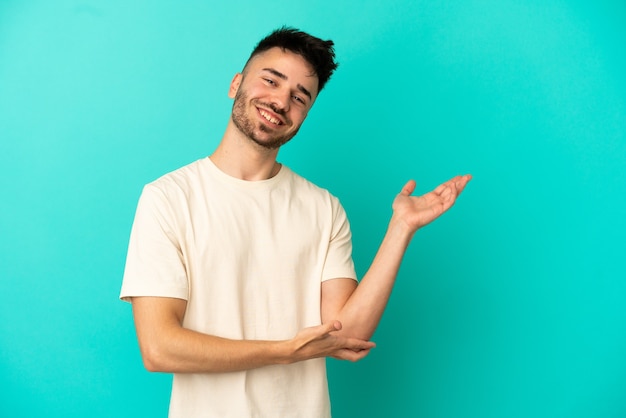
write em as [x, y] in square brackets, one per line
[272, 98]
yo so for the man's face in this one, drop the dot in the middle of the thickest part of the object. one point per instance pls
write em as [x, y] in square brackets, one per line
[273, 97]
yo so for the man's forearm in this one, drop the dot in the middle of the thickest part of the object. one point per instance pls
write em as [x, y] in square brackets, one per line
[166, 346]
[186, 351]
[363, 310]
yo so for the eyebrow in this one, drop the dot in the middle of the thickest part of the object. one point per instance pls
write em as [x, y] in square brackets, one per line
[284, 77]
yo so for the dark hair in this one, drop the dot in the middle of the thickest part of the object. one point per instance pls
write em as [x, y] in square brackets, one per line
[317, 52]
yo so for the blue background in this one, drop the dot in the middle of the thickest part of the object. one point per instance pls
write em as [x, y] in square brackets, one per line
[511, 305]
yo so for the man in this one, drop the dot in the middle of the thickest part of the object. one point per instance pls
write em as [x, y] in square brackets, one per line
[240, 272]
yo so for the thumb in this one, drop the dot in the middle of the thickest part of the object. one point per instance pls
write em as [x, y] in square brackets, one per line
[408, 188]
[332, 326]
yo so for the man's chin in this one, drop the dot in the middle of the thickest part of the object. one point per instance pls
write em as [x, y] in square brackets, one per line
[270, 144]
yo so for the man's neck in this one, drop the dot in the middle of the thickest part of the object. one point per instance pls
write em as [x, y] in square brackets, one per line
[239, 157]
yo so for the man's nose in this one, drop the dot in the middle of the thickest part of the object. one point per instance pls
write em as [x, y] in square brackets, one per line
[280, 101]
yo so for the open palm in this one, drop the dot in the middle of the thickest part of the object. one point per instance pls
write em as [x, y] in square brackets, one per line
[418, 211]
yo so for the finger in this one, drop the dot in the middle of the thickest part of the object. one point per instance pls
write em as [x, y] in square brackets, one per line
[442, 187]
[408, 188]
[351, 355]
[456, 183]
[355, 344]
[462, 182]
[331, 326]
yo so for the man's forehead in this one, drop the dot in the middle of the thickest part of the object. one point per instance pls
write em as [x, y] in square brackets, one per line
[288, 63]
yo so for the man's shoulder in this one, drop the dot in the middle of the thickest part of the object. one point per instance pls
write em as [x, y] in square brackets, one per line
[182, 177]
[306, 187]
[301, 182]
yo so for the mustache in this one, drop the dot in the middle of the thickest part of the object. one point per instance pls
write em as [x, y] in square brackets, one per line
[274, 108]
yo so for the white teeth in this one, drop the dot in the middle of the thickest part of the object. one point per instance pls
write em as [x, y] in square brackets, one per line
[269, 118]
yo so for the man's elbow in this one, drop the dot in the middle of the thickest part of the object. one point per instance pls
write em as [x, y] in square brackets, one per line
[356, 330]
[154, 360]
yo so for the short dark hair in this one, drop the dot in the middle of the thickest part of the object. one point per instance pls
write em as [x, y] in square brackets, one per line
[317, 52]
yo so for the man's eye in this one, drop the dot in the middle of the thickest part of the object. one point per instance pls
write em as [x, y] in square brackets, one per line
[268, 81]
[298, 99]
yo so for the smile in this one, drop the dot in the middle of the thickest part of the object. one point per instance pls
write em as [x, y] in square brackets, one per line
[269, 117]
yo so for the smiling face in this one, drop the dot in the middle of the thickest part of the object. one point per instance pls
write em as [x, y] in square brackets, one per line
[273, 97]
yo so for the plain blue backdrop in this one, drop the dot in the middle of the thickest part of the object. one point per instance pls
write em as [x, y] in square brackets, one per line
[511, 305]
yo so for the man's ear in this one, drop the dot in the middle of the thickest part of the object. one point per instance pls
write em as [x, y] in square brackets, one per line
[234, 85]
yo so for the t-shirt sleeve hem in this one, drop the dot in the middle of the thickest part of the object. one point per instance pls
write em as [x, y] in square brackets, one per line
[339, 274]
[166, 292]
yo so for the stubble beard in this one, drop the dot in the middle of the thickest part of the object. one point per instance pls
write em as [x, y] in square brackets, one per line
[247, 126]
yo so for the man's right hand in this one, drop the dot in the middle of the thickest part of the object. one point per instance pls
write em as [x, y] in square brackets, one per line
[320, 341]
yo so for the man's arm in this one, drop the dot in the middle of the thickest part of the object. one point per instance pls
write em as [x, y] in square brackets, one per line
[359, 308]
[168, 347]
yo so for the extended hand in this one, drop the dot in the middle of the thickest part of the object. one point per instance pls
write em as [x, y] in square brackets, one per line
[320, 341]
[418, 211]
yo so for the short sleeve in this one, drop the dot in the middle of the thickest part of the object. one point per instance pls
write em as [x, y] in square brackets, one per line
[339, 263]
[154, 264]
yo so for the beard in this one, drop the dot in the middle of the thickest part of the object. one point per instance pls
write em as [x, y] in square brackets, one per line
[247, 126]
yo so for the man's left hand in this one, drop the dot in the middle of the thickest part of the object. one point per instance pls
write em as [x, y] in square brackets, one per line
[418, 211]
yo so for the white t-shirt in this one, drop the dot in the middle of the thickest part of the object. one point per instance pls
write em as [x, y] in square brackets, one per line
[249, 258]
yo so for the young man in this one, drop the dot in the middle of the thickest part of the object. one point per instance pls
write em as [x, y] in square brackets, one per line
[240, 271]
